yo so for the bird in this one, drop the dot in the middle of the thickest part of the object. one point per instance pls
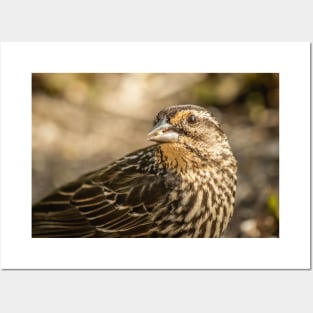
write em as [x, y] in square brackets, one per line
[182, 186]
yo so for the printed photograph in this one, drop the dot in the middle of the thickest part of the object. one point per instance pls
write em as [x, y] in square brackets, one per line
[153, 155]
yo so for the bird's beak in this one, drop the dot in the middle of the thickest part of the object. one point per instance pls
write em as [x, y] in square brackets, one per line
[163, 132]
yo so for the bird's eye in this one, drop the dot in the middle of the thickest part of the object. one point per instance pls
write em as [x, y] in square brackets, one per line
[192, 119]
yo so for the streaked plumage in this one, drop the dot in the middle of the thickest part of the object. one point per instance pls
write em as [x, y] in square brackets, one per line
[183, 186]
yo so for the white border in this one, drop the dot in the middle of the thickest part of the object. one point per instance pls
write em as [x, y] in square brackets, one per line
[290, 251]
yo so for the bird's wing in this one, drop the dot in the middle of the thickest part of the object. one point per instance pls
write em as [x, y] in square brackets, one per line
[112, 202]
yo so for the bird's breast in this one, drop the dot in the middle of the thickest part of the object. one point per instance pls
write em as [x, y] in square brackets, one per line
[205, 203]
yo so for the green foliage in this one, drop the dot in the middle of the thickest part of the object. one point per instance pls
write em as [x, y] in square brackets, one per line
[273, 205]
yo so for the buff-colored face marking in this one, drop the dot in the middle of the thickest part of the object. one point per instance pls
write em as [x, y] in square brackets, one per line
[180, 116]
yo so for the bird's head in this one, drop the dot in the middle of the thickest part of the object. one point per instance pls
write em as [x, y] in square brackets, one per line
[189, 132]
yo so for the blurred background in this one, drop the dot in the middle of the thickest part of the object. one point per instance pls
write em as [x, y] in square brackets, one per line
[81, 122]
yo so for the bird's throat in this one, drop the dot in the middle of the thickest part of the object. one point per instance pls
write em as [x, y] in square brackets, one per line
[177, 157]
